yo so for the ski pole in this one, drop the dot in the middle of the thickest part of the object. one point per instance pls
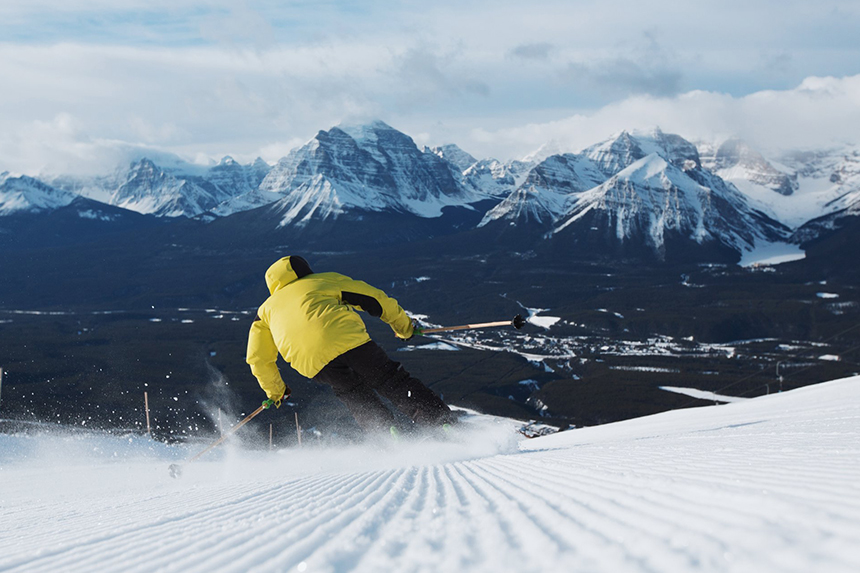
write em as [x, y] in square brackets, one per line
[518, 322]
[176, 469]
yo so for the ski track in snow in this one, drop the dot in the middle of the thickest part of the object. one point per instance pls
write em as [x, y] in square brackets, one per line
[769, 484]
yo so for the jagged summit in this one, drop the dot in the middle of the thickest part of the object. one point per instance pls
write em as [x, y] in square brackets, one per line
[653, 198]
[547, 191]
[148, 188]
[544, 195]
[20, 193]
[626, 148]
[548, 149]
[454, 155]
[636, 189]
[171, 189]
[794, 188]
[735, 159]
[371, 167]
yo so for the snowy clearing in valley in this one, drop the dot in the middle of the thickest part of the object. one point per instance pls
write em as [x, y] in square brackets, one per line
[703, 394]
[768, 484]
[772, 254]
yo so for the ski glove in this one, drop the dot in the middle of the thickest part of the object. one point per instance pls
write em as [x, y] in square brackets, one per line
[416, 330]
[276, 403]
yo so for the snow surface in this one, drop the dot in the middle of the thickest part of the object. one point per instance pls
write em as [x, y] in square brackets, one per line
[653, 196]
[768, 484]
[794, 188]
[544, 321]
[702, 394]
[534, 317]
[25, 194]
[431, 346]
[765, 253]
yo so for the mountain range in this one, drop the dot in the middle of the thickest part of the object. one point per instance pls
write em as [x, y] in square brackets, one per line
[652, 193]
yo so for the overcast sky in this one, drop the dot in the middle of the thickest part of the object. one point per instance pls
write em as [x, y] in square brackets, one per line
[80, 79]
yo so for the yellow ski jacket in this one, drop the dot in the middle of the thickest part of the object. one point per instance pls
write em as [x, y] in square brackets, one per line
[311, 321]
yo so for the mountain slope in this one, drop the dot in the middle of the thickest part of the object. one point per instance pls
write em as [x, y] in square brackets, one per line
[166, 186]
[652, 199]
[23, 194]
[623, 150]
[82, 221]
[367, 168]
[453, 155]
[762, 485]
[629, 196]
[735, 160]
[831, 246]
[147, 188]
[794, 188]
[547, 192]
[486, 177]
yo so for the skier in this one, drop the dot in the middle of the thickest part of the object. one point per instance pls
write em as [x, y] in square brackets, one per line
[310, 320]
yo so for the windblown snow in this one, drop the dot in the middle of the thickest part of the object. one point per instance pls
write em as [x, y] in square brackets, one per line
[768, 484]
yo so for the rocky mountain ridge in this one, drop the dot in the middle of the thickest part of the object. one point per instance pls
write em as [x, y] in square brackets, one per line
[633, 187]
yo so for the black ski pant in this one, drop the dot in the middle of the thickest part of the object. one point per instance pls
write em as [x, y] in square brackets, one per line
[361, 375]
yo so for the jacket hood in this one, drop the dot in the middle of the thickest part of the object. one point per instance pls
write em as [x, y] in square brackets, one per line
[286, 270]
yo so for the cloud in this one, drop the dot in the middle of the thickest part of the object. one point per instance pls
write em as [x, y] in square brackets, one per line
[62, 146]
[66, 100]
[643, 66]
[536, 51]
[425, 73]
[153, 133]
[276, 150]
[624, 77]
[239, 26]
[777, 63]
[247, 77]
[820, 112]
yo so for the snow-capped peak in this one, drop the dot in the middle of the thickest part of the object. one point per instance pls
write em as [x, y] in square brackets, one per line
[795, 187]
[653, 198]
[548, 149]
[368, 136]
[362, 132]
[545, 194]
[625, 148]
[615, 154]
[20, 193]
[734, 159]
[370, 167]
[454, 155]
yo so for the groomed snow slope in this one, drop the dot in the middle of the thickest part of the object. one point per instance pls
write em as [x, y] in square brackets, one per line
[771, 484]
